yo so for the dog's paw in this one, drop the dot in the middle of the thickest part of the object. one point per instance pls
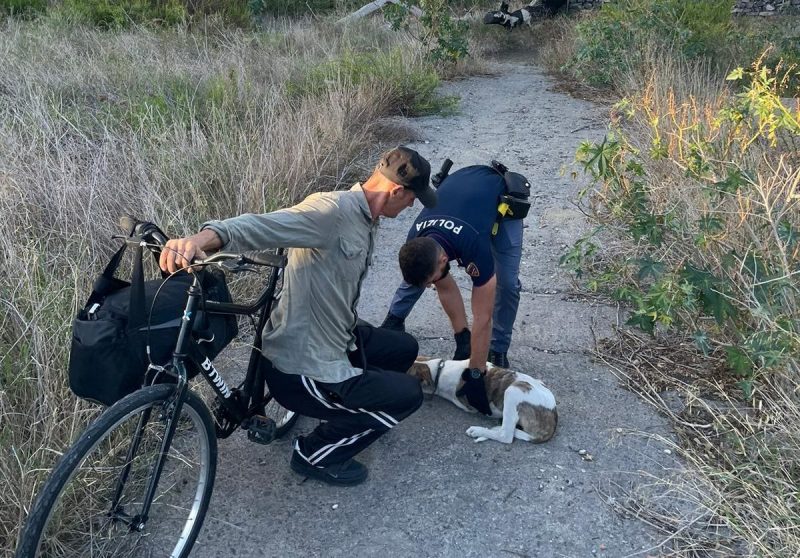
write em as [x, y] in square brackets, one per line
[477, 432]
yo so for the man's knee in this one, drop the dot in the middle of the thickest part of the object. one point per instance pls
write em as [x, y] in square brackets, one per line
[409, 396]
[407, 351]
[508, 282]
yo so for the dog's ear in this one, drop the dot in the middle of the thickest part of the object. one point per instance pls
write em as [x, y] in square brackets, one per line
[422, 372]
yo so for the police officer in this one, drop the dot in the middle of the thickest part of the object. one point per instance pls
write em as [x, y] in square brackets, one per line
[477, 223]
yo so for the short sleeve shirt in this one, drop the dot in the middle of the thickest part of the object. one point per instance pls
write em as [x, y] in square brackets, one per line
[463, 218]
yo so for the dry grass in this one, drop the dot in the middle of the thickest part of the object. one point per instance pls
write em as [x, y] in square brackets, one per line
[738, 495]
[173, 126]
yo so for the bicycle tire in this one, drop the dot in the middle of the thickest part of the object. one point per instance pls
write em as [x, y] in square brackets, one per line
[110, 533]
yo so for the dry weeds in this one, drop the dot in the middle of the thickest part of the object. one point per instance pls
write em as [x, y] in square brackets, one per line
[173, 126]
[738, 495]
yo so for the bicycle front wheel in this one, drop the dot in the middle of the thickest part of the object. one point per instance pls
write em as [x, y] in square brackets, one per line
[93, 503]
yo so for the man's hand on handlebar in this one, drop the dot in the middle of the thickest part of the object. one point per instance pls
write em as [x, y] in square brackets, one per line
[179, 253]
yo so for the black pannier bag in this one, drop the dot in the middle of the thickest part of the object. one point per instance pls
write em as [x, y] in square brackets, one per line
[110, 335]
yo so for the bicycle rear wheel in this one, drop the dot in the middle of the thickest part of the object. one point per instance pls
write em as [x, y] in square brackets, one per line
[92, 503]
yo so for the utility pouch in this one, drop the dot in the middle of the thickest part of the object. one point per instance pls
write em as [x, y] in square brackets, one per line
[515, 202]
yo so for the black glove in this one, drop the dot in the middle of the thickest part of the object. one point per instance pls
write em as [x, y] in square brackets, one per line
[474, 389]
[463, 346]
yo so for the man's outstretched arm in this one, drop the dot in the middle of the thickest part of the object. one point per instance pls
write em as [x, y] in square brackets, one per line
[482, 308]
[452, 303]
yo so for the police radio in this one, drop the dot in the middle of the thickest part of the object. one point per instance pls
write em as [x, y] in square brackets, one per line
[437, 178]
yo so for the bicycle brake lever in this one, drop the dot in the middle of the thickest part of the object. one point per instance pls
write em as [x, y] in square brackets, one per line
[237, 266]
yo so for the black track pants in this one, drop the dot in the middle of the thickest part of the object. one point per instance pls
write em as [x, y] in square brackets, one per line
[359, 410]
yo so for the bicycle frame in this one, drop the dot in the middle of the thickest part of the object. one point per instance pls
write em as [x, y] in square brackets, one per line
[188, 351]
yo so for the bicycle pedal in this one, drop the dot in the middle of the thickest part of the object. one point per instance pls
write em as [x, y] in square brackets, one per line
[261, 430]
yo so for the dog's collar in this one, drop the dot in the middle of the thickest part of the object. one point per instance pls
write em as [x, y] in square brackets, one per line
[439, 368]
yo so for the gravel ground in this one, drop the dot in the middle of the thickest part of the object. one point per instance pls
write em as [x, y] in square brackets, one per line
[432, 491]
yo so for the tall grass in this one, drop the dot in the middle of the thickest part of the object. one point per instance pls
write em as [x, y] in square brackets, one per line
[173, 126]
[697, 230]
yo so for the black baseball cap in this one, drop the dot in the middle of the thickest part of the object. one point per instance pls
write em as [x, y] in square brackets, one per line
[410, 170]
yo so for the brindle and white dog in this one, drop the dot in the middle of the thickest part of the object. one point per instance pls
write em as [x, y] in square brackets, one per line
[527, 408]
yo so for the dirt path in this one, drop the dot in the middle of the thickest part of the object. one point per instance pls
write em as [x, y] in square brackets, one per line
[432, 491]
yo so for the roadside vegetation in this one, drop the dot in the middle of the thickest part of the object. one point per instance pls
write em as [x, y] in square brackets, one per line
[695, 201]
[175, 112]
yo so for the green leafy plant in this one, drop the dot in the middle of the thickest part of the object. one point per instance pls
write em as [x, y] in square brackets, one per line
[712, 217]
[444, 37]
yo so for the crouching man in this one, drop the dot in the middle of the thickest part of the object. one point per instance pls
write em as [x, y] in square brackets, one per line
[320, 360]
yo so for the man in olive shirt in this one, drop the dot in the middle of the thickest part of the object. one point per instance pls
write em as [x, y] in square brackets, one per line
[322, 362]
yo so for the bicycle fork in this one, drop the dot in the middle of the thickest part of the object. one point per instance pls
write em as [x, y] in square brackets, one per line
[171, 411]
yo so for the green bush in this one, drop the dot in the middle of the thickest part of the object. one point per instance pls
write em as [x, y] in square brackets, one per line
[414, 84]
[22, 8]
[622, 30]
[616, 40]
[116, 14]
[444, 37]
[711, 217]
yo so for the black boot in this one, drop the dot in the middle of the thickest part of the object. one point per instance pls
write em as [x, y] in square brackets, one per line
[498, 359]
[394, 322]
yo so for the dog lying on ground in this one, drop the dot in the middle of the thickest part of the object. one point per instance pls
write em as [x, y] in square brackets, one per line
[526, 406]
[510, 20]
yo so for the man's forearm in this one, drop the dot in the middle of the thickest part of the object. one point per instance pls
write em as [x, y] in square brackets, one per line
[452, 303]
[481, 335]
[482, 308]
[207, 240]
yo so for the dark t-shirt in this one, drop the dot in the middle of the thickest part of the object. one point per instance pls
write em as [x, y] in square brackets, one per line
[463, 218]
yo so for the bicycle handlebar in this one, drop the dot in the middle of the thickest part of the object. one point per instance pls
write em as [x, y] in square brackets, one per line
[254, 257]
[145, 231]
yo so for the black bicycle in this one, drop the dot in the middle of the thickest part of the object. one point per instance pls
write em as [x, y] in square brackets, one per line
[138, 481]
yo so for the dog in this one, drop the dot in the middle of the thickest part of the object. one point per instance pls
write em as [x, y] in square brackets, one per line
[510, 20]
[527, 408]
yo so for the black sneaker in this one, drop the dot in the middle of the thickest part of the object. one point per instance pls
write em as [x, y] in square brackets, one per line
[394, 323]
[498, 359]
[347, 473]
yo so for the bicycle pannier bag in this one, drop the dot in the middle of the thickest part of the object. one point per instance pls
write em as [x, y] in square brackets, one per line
[109, 357]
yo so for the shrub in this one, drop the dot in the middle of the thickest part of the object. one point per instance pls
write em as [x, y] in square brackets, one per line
[444, 37]
[22, 8]
[117, 14]
[411, 86]
[710, 210]
[612, 40]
